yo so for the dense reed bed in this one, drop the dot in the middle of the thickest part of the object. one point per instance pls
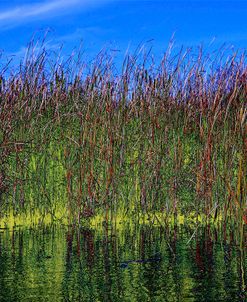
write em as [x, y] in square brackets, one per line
[161, 140]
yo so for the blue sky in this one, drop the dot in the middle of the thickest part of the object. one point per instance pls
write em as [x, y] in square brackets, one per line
[117, 24]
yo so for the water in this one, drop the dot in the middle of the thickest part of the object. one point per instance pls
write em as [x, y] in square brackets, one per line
[139, 263]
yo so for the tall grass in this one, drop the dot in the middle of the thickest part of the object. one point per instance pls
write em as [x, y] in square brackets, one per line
[169, 138]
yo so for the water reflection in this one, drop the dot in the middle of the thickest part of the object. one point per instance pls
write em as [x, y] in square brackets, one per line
[140, 264]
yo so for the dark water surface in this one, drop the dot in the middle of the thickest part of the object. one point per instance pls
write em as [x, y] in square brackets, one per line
[134, 264]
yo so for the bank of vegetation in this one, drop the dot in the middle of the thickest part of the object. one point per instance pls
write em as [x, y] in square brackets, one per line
[161, 139]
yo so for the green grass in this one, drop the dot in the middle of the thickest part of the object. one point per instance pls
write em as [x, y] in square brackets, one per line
[167, 141]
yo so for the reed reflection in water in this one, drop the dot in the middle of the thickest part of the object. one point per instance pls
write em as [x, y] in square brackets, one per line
[139, 263]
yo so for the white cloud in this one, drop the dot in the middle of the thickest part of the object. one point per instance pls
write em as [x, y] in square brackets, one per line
[43, 10]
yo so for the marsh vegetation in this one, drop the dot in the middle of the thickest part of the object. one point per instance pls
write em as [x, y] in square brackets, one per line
[161, 142]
